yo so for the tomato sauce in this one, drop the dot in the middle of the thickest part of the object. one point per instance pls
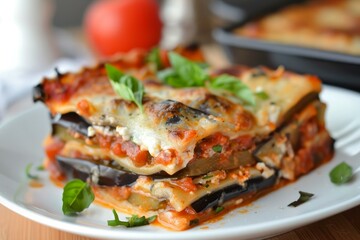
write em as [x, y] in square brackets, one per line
[166, 157]
[185, 184]
[205, 148]
[84, 107]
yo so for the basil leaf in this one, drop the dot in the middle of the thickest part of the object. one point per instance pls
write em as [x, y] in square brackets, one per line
[171, 78]
[235, 86]
[40, 168]
[186, 73]
[133, 221]
[262, 95]
[28, 172]
[113, 73]
[126, 86]
[77, 196]
[154, 58]
[116, 221]
[151, 219]
[304, 197]
[188, 70]
[217, 148]
[340, 174]
[219, 209]
[136, 221]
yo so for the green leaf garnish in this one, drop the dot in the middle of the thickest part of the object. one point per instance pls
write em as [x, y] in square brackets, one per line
[219, 209]
[340, 174]
[262, 95]
[217, 148]
[304, 197]
[126, 86]
[188, 70]
[184, 73]
[235, 86]
[151, 219]
[113, 73]
[28, 172]
[171, 78]
[154, 58]
[133, 221]
[40, 168]
[77, 196]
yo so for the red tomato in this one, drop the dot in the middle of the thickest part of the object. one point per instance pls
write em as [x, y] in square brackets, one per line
[113, 26]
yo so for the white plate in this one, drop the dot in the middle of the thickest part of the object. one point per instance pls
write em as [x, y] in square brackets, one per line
[21, 143]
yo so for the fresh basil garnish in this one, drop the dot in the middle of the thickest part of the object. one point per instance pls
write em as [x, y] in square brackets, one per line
[219, 209]
[217, 148]
[171, 78]
[185, 73]
[154, 58]
[28, 172]
[304, 197]
[133, 221]
[77, 196]
[262, 95]
[340, 174]
[40, 168]
[235, 86]
[126, 86]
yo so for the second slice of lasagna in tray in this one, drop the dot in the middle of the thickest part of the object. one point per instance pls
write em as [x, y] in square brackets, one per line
[190, 141]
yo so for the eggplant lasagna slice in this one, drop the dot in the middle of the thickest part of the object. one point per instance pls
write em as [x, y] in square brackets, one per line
[192, 151]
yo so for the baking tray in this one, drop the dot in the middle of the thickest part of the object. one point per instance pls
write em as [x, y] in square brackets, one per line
[333, 68]
[236, 10]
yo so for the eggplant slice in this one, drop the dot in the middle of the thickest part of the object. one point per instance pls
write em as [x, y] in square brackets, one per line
[217, 198]
[38, 93]
[202, 166]
[97, 173]
[72, 121]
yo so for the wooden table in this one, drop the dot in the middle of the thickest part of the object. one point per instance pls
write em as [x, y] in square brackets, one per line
[344, 226]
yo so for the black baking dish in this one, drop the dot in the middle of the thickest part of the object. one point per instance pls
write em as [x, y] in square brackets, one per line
[235, 10]
[332, 67]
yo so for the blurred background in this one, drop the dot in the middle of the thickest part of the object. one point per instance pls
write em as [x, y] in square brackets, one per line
[39, 35]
